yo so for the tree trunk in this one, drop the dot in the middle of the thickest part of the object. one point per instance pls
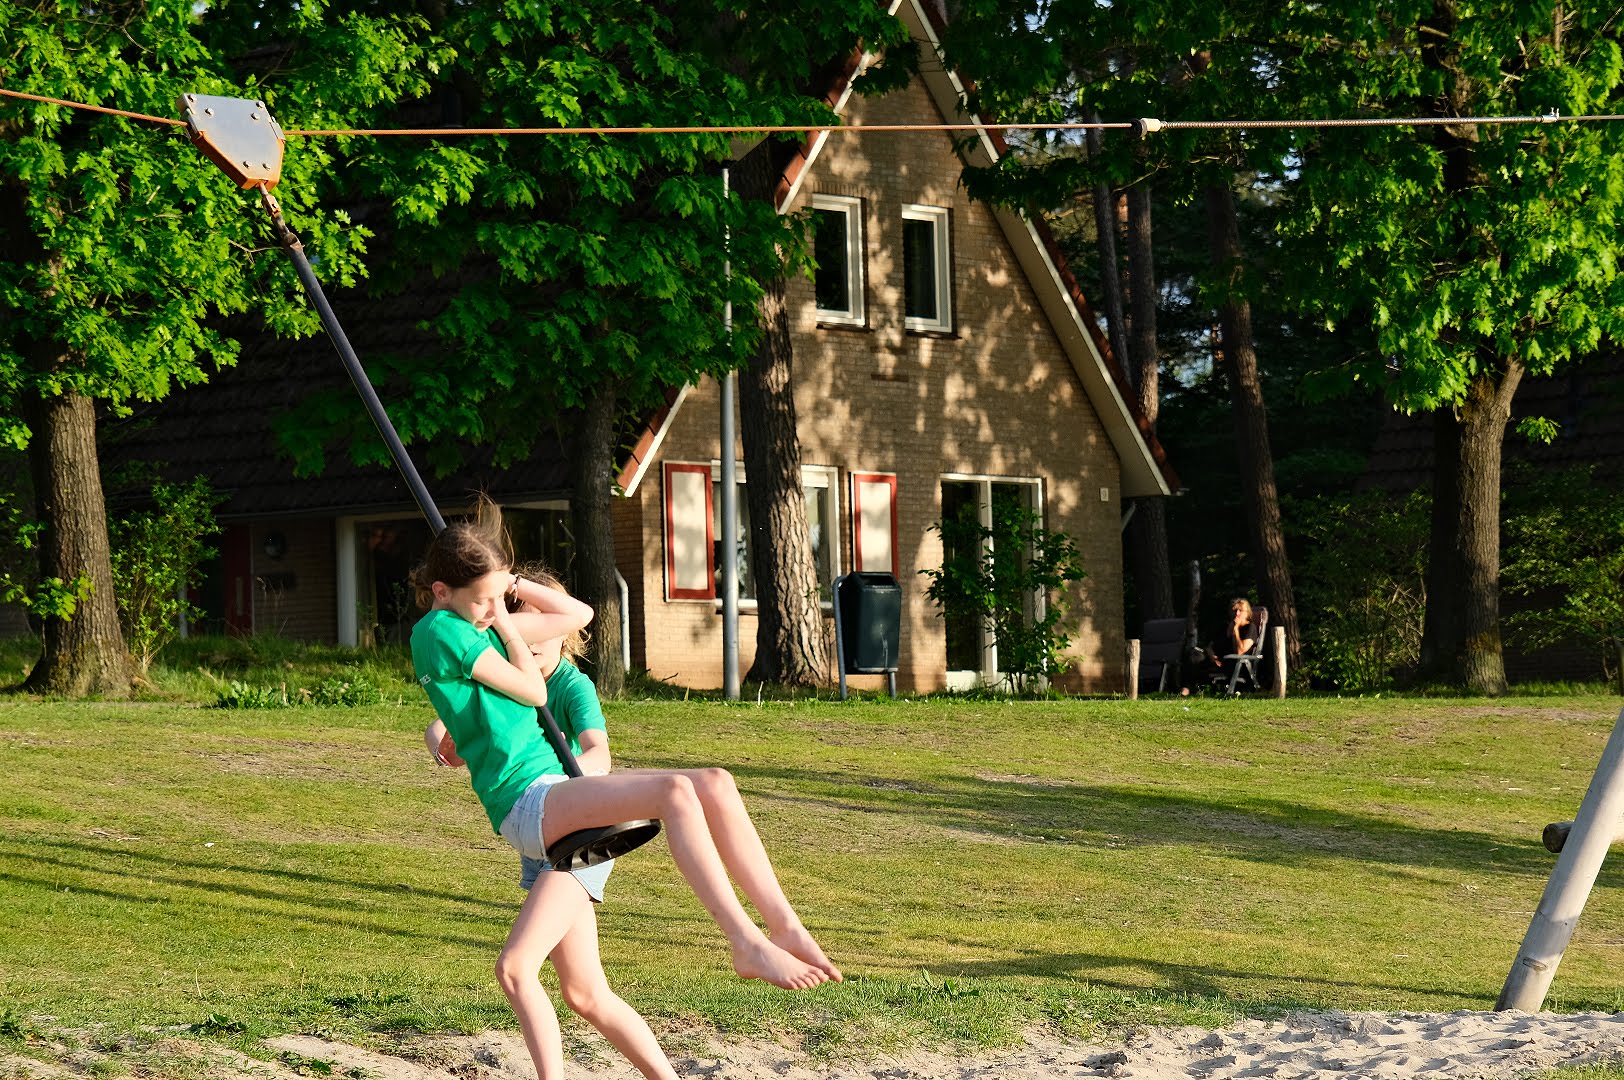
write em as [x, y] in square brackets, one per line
[591, 506]
[790, 639]
[1441, 635]
[84, 653]
[790, 646]
[1106, 205]
[1259, 500]
[1147, 532]
[1480, 662]
[1461, 634]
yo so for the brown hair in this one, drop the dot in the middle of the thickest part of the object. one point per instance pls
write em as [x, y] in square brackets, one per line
[574, 645]
[464, 550]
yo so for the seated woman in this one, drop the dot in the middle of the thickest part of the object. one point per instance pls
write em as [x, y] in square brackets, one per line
[1237, 639]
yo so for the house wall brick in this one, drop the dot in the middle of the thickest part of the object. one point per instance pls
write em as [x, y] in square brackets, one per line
[998, 397]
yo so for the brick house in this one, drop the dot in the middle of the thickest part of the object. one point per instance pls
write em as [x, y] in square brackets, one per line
[945, 359]
[943, 356]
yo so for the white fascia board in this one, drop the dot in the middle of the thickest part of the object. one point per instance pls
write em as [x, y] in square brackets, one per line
[654, 446]
[822, 137]
[1140, 474]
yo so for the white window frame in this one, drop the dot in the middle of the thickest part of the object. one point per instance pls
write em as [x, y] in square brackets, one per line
[938, 217]
[856, 250]
[989, 674]
[823, 478]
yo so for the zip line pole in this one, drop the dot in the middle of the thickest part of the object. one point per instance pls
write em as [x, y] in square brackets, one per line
[1571, 881]
[242, 138]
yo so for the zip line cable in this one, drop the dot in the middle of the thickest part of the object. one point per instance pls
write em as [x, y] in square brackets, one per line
[91, 108]
[1142, 126]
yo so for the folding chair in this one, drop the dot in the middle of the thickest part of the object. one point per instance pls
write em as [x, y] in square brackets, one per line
[1159, 647]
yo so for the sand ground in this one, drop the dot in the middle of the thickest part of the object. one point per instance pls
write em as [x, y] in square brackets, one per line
[1305, 1046]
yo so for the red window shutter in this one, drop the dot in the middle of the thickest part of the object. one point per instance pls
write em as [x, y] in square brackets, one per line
[690, 560]
[874, 523]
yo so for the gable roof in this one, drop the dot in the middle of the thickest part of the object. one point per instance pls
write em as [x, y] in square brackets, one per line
[225, 429]
[1145, 468]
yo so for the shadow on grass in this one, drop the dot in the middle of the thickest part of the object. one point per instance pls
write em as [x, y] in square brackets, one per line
[138, 878]
[1255, 827]
[1214, 981]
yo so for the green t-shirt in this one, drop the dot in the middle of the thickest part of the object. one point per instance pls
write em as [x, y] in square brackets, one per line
[501, 739]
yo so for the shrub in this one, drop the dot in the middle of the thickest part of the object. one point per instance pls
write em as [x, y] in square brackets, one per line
[157, 556]
[20, 583]
[1361, 586]
[1565, 542]
[349, 692]
[1013, 561]
[240, 695]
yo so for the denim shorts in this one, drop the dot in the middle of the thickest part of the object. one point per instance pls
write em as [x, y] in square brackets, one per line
[522, 829]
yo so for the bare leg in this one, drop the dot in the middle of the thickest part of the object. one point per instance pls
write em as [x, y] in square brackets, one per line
[586, 991]
[602, 800]
[555, 903]
[739, 845]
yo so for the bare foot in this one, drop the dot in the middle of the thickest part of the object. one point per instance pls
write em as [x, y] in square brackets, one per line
[766, 961]
[797, 942]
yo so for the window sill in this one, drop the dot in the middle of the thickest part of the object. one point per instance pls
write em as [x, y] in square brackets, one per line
[940, 335]
[860, 327]
[750, 607]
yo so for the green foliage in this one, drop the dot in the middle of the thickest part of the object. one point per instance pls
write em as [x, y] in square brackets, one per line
[1010, 576]
[240, 695]
[126, 252]
[1540, 430]
[584, 261]
[1465, 248]
[1361, 591]
[1565, 551]
[158, 556]
[15, 1030]
[351, 690]
[350, 693]
[20, 581]
[124, 242]
[305, 1066]
[48, 597]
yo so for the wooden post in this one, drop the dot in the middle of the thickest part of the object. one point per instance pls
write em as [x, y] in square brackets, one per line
[1571, 881]
[1280, 661]
[1133, 669]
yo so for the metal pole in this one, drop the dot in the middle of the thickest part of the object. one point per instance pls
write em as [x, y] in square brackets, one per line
[730, 503]
[1571, 881]
[352, 363]
[397, 450]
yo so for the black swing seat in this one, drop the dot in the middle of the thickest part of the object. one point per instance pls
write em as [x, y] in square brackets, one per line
[589, 847]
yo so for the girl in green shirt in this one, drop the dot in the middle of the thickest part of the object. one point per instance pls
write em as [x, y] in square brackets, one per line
[474, 659]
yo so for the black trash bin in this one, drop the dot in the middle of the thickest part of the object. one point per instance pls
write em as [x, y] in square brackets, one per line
[868, 626]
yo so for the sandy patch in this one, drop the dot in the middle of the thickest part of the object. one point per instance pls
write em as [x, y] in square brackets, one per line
[1305, 1046]
[1309, 1046]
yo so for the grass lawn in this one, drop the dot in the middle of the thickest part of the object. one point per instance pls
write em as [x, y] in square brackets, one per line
[975, 867]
